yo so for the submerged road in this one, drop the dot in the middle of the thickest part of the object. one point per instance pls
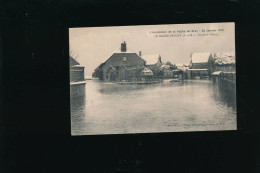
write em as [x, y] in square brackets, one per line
[191, 105]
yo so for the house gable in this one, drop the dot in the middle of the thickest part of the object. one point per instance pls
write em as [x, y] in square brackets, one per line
[124, 59]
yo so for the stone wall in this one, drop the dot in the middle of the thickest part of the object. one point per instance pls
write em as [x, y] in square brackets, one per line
[76, 73]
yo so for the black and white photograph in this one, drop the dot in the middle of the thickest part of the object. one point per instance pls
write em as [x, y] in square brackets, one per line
[152, 78]
[129, 86]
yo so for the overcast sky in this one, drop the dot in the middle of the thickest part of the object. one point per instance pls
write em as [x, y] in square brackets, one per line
[96, 44]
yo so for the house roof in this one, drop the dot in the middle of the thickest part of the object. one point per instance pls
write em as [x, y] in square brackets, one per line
[182, 67]
[216, 73]
[119, 51]
[73, 61]
[78, 66]
[151, 59]
[224, 58]
[200, 57]
[116, 59]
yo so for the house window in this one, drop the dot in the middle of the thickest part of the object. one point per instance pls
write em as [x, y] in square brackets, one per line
[124, 58]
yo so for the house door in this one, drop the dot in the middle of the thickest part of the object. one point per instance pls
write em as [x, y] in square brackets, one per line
[112, 77]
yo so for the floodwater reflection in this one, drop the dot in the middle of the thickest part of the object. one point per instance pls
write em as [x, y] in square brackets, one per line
[192, 105]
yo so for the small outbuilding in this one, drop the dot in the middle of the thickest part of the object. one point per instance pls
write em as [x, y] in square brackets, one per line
[147, 72]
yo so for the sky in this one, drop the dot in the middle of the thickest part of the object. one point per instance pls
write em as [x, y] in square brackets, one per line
[94, 45]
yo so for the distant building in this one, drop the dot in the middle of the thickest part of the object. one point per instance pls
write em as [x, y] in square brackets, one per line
[200, 60]
[224, 62]
[76, 71]
[154, 62]
[183, 70]
[199, 65]
[224, 69]
[208, 63]
[167, 70]
[182, 67]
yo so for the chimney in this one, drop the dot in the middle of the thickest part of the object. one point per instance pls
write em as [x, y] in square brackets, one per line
[140, 53]
[123, 47]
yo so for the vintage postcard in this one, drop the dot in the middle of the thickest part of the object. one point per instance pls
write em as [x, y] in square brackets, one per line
[153, 78]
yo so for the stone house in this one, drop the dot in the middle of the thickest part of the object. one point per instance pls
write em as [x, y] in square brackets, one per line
[123, 64]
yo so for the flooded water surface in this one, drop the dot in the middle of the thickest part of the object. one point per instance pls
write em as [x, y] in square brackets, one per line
[110, 108]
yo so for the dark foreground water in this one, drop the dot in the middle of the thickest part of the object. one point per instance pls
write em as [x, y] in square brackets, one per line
[110, 108]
